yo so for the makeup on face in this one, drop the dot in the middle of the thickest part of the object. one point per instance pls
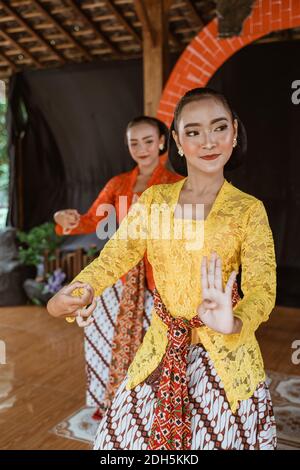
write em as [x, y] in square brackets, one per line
[143, 143]
[206, 132]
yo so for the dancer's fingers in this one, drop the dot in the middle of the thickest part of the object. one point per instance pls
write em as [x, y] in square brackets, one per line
[230, 283]
[206, 307]
[74, 285]
[72, 222]
[204, 282]
[218, 274]
[70, 225]
[211, 271]
[75, 213]
[86, 312]
[84, 316]
[86, 297]
[135, 198]
[71, 212]
[83, 323]
[209, 304]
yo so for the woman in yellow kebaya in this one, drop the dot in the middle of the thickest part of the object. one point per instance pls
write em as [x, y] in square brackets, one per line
[197, 381]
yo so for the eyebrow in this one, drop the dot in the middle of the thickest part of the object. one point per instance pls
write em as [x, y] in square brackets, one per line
[147, 137]
[213, 121]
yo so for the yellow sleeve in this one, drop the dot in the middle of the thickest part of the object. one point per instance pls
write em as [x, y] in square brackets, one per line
[123, 251]
[258, 272]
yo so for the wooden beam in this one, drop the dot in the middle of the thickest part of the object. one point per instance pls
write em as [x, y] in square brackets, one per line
[21, 3]
[33, 33]
[5, 75]
[8, 61]
[142, 14]
[26, 53]
[194, 13]
[176, 41]
[155, 50]
[63, 30]
[85, 18]
[123, 20]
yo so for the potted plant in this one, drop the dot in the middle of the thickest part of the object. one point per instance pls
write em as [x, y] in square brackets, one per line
[33, 245]
[40, 291]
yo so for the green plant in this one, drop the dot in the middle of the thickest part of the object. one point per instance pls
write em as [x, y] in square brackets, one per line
[35, 242]
[93, 251]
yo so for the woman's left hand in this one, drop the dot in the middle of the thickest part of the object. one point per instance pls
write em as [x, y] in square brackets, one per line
[64, 304]
[215, 311]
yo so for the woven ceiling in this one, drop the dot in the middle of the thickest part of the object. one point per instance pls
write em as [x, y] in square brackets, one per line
[51, 33]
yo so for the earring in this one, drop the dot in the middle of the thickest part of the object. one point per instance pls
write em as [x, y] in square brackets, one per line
[234, 142]
[161, 146]
[180, 151]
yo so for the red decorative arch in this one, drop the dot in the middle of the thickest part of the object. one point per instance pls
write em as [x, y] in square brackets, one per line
[206, 53]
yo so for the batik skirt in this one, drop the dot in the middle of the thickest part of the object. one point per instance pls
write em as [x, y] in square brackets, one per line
[127, 424]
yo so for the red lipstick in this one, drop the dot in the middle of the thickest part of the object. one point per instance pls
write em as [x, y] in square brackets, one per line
[211, 157]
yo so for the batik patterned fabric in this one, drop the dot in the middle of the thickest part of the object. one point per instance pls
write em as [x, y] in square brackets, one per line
[127, 424]
[129, 330]
[171, 429]
[99, 338]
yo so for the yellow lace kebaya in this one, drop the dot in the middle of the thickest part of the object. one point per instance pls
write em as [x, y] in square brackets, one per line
[237, 228]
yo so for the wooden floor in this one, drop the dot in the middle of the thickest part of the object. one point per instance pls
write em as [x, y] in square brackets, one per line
[43, 381]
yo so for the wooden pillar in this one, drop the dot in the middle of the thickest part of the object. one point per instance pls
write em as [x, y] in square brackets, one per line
[153, 15]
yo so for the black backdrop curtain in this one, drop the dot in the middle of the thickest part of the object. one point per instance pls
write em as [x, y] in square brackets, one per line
[258, 82]
[72, 121]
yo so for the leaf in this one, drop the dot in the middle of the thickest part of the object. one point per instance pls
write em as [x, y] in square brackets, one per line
[36, 242]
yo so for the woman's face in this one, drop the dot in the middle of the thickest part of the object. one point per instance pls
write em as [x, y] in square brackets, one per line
[206, 133]
[143, 143]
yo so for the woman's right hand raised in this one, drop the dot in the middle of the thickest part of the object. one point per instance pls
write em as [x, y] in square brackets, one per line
[68, 219]
[64, 304]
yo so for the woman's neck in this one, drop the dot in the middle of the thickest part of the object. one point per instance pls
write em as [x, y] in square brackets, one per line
[149, 169]
[201, 184]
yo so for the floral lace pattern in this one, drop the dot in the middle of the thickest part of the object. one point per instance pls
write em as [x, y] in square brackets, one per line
[237, 228]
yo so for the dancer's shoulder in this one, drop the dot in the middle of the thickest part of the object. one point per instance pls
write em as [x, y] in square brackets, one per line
[241, 195]
[165, 192]
[241, 202]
